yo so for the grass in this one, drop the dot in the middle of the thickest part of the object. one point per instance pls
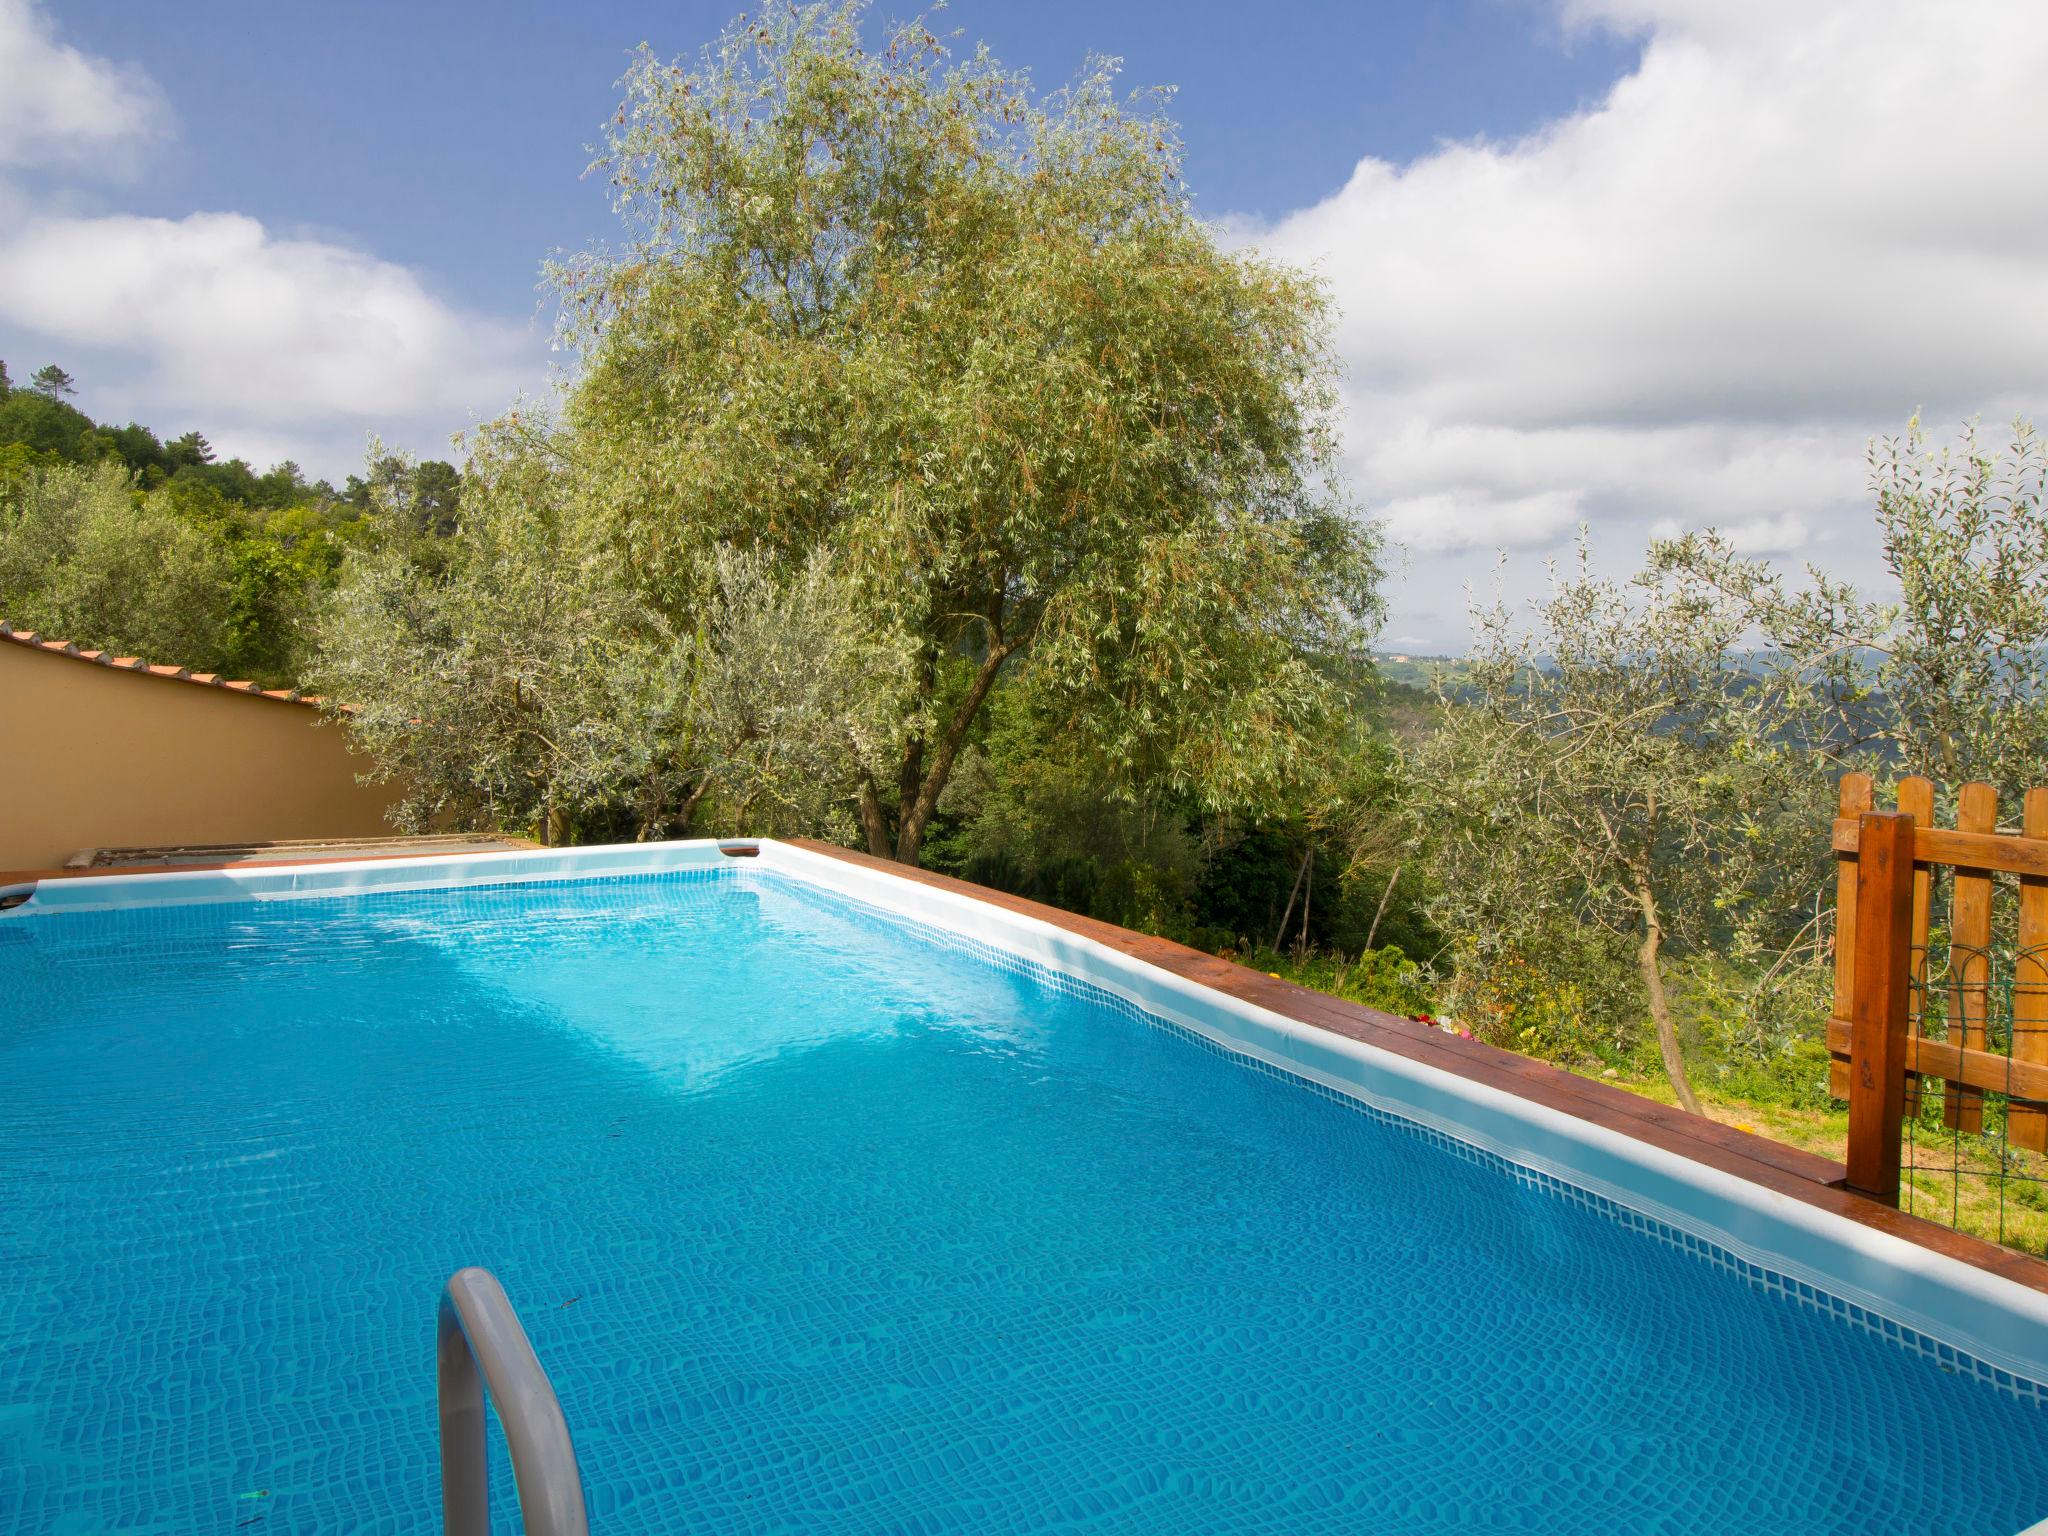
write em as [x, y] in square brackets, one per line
[1952, 1180]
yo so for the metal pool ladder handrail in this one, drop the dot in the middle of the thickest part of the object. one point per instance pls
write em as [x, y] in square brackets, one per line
[480, 1344]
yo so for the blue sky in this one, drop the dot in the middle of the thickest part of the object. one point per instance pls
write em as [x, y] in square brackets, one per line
[450, 137]
[1638, 265]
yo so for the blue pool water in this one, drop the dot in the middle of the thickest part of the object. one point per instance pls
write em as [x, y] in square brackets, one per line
[822, 1227]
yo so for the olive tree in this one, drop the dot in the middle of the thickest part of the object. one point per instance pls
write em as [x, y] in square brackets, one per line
[514, 677]
[1615, 765]
[973, 342]
[512, 680]
[792, 697]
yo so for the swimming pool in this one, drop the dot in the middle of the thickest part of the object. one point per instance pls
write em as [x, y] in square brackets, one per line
[830, 1208]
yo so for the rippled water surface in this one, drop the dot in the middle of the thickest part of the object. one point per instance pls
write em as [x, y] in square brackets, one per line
[820, 1227]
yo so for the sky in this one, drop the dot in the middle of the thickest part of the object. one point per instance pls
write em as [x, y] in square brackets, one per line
[1641, 265]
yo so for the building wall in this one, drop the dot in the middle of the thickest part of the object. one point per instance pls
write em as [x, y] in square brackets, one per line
[95, 757]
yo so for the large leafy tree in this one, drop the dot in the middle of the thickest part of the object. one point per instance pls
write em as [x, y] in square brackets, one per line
[48, 427]
[507, 680]
[974, 344]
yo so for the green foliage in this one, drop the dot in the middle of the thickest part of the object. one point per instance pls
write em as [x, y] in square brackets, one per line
[1026, 814]
[517, 680]
[1947, 680]
[1965, 534]
[1551, 1009]
[178, 574]
[1759, 1039]
[191, 449]
[1613, 767]
[1631, 776]
[120, 541]
[82, 555]
[46, 426]
[51, 429]
[1383, 978]
[415, 501]
[975, 345]
[510, 684]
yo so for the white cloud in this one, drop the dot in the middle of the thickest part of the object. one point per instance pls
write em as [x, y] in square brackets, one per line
[1473, 517]
[66, 109]
[226, 319]
[1768, 535]
[1789, 227]
[273, 346]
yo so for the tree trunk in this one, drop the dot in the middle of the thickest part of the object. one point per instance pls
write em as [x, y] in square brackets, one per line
[1287, 912]
[688, 813]
[1308, 901]
[1660, 1005]
[1381, 910]
[910, 767]
[916, 813]
[873, 824]
[555, 828]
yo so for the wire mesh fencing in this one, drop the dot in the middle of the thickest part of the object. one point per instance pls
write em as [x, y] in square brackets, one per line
[1964, 1039]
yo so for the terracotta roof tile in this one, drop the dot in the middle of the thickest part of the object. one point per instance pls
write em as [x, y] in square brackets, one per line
[71, 649]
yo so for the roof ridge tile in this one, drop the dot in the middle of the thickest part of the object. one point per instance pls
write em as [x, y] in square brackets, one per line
[36, 640]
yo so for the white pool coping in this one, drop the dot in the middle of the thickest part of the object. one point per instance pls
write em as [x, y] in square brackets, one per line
[1998, 1327]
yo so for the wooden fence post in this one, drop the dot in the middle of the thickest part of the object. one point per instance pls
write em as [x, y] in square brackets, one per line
[1969, 958]
[1856, 799]
[1880, 1000]
[2028, 1127]
[1916, 799]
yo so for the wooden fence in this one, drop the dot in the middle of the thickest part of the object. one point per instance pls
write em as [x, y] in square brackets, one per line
[1955, 1006]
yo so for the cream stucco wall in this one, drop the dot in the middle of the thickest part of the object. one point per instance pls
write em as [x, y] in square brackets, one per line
[95, 757]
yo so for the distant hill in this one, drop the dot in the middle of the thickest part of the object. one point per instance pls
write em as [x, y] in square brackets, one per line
[1415, 670]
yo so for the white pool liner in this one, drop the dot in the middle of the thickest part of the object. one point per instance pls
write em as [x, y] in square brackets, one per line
[1966, 1318]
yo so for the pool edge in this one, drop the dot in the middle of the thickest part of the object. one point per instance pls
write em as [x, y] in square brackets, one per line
[1758, 1201]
